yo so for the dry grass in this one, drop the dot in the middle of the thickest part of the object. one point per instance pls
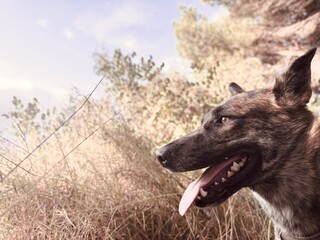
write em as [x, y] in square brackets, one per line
[110, 187]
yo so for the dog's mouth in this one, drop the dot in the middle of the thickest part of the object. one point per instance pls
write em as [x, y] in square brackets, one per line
[219, 182]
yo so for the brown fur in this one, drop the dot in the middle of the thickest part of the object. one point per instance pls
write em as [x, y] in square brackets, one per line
[282, 137]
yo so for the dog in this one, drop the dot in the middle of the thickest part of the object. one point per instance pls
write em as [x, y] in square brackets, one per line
[266, 140]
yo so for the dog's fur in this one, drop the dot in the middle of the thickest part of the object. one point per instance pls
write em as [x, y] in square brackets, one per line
[282, 137]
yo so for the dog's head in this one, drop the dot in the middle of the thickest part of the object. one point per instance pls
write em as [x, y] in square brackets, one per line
[239, 140]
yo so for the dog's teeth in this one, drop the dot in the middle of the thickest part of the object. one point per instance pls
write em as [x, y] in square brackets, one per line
[223, 179]
[235, 167]
[230, 174]
[216, 183]
[203, 192]
[245, 157]
[241, 163]
[198, 197]
[243, 160]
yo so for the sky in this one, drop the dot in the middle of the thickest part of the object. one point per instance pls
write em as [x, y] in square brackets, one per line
[47, 47]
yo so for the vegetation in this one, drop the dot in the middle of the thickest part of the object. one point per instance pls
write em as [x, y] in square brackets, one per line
[94, 176]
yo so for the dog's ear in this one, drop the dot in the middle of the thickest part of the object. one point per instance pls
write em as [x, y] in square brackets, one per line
[293, 89]
[235, 89]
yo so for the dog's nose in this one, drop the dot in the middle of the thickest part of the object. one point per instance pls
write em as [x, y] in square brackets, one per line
[160, 157]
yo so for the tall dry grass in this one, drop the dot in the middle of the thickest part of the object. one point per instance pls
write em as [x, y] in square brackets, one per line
[108, 187]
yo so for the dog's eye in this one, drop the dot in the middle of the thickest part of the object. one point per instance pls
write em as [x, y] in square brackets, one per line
[223, 120]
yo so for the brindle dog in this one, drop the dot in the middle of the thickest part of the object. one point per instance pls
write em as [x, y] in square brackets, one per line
[264, 139]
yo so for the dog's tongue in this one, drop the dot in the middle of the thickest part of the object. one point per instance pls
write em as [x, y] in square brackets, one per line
[193, 189]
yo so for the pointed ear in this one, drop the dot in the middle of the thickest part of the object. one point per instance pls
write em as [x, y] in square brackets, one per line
[235, 89]
[293, 89]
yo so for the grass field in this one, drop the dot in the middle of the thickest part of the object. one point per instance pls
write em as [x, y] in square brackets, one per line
[108, 187]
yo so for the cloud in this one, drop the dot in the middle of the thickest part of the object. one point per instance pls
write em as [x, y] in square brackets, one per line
[68, 34]
[130, 43]
[43, 23]
[15, 84]
[124, 16]
[28, 87]
[119, 24]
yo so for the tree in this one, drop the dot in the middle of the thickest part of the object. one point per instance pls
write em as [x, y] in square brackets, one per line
[281, 25]
[149, 99]
[29, 119]
[203, 41]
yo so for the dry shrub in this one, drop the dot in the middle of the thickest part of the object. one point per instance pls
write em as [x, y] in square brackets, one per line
[110, 187]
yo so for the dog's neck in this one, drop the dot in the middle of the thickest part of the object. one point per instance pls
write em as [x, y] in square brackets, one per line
[292, 197]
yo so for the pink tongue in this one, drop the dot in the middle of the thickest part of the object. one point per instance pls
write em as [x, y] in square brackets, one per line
[193, 189]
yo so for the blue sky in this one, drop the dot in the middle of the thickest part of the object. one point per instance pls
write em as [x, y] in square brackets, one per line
[46, 47]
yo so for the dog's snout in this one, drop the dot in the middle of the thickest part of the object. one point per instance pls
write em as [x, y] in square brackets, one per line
[160, 157]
